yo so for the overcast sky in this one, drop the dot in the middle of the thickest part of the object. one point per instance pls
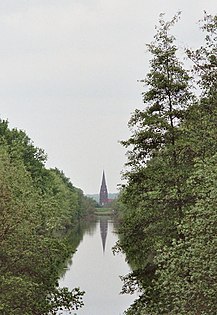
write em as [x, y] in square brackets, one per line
[69, 71]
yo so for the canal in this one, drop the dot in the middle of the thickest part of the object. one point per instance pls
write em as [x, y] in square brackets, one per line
[97, 271]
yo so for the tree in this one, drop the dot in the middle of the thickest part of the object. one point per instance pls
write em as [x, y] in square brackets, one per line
[168, 229]
[153, 195]
[186, 277]
[201, 119]
[166, 99]
[36, 204]
[31, 253]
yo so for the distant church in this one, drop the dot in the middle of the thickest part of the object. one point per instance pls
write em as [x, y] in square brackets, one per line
[103, 194]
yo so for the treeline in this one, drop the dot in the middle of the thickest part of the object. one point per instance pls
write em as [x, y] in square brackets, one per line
[37, 207]
[168, 206]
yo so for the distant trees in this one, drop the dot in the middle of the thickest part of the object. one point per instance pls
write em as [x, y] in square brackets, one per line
[36, 204]
[170, 156]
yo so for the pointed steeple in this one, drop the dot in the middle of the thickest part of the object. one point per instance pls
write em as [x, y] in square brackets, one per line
[103, 195]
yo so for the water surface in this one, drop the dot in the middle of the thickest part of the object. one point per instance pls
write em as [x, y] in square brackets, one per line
[97, 271]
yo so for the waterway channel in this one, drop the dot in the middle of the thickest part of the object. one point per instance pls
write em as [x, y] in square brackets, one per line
[97, 271]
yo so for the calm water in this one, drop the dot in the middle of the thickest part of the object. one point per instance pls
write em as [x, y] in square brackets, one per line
[96, 270]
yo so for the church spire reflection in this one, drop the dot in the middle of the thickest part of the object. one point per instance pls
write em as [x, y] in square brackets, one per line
[103, 231]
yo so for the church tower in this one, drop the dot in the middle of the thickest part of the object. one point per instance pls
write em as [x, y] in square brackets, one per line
[103, 195]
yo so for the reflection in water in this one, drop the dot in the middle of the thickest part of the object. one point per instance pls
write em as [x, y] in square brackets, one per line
[97, 272]
[75, 237]
[103, 230]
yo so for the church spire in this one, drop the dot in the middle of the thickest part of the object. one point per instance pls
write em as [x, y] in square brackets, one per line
[103, 195]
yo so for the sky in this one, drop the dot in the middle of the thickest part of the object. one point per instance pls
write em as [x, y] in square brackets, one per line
[69, 74]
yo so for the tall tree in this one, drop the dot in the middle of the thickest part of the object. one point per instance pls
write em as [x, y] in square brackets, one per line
[171, 188]
[166, 97]
[153, 196]
[201, 123]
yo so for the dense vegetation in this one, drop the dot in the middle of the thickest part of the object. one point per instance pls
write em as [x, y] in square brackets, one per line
[37, 207]
[168, 205]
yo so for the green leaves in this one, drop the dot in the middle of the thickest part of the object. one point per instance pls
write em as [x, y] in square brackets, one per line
[168, 228]
[36, 206]
[166, 97]
[189, 265]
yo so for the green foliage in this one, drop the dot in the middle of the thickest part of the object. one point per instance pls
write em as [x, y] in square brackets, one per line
[168, 206]
[21, 147]
[186, 277]
[36, 205]
[155, 181]
[167, 96]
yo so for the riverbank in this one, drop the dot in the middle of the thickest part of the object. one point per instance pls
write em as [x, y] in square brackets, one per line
[104, 211]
